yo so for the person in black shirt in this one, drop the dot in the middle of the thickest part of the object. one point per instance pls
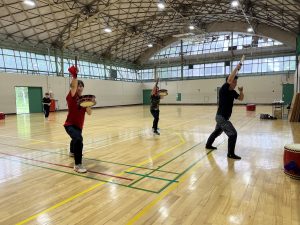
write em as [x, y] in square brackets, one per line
[46, 102]
[227, 94]
[154, 107]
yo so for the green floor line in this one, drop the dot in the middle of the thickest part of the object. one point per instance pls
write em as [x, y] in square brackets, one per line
[136, 181]
[147, 174]
[194, 146]
[79, 175]
[192, 165]
[157, 178]
[186, 170]
[128, 165]
[98, 160]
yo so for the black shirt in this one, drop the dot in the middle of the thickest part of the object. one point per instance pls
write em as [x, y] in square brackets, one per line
[154, 102]
[46, 100]
[226, 99]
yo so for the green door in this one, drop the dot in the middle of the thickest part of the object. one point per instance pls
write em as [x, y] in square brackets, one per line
[35, 99]
[146, 96]
[287, 93]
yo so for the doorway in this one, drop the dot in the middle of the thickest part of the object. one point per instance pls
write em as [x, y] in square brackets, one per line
[287, 93]
[146, 96]
[28, 100]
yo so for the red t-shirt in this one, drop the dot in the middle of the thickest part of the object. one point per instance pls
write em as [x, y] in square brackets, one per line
[76, 113]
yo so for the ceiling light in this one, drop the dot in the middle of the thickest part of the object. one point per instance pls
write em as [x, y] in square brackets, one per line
[191, 27]
[29, 3]
[107, 30]
[150, 45]
[235, 3]
[161, 4]
[250, 29]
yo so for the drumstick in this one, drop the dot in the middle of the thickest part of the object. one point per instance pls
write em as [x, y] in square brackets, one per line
[76, 60]
[242, 60]
[157, 78]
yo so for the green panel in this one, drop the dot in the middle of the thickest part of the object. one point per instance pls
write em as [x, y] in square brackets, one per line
[178, 97]
[287, 93]
[35, 99]
[146, 96]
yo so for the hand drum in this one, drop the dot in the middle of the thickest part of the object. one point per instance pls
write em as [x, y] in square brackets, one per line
[87, 101]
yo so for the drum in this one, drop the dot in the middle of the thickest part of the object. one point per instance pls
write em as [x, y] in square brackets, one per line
[251, 107]
[2, 116]
[291, 160]
[163, 92]
[87, 101]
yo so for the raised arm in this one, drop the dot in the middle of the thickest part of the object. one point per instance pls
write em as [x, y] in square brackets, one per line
[154, 89]
[235, 71]
[73, 70]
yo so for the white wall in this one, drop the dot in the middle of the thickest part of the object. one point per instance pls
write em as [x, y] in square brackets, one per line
[260, 89]
[108, 93]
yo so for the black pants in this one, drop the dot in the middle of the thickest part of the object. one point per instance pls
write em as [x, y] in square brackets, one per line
[155, 114]
[228, 128]
[76, 144]
[46, 111]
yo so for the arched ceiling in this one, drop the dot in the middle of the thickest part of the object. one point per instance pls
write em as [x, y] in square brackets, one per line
[77, 25]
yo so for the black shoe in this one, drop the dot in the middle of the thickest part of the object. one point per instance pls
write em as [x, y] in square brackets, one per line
[233, 156]
[210, 147]
[156, 132]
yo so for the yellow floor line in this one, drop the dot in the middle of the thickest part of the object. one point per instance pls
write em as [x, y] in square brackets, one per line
[31, 139]
[161, 196]
[182, 141]
[61, 203]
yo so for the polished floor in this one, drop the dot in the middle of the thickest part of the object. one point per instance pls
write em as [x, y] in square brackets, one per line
[135, 177]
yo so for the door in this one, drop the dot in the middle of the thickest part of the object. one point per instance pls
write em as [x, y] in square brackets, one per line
[35, 97]
[146, 96]
[287, 93]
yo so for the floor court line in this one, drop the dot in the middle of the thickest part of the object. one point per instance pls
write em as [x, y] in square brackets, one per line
[169, 161]
[80, 175]
[103, 146]
[66, 166]
[91, 159]
[182, 141]
[163, 194]
[171, 186]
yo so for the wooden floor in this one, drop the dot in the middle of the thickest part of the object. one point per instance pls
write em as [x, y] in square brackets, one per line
[137, 178]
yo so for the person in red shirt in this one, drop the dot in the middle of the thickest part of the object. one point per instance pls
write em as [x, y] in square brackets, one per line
[75, 120]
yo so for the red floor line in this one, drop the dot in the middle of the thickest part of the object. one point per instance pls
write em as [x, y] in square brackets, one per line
[56, 164]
